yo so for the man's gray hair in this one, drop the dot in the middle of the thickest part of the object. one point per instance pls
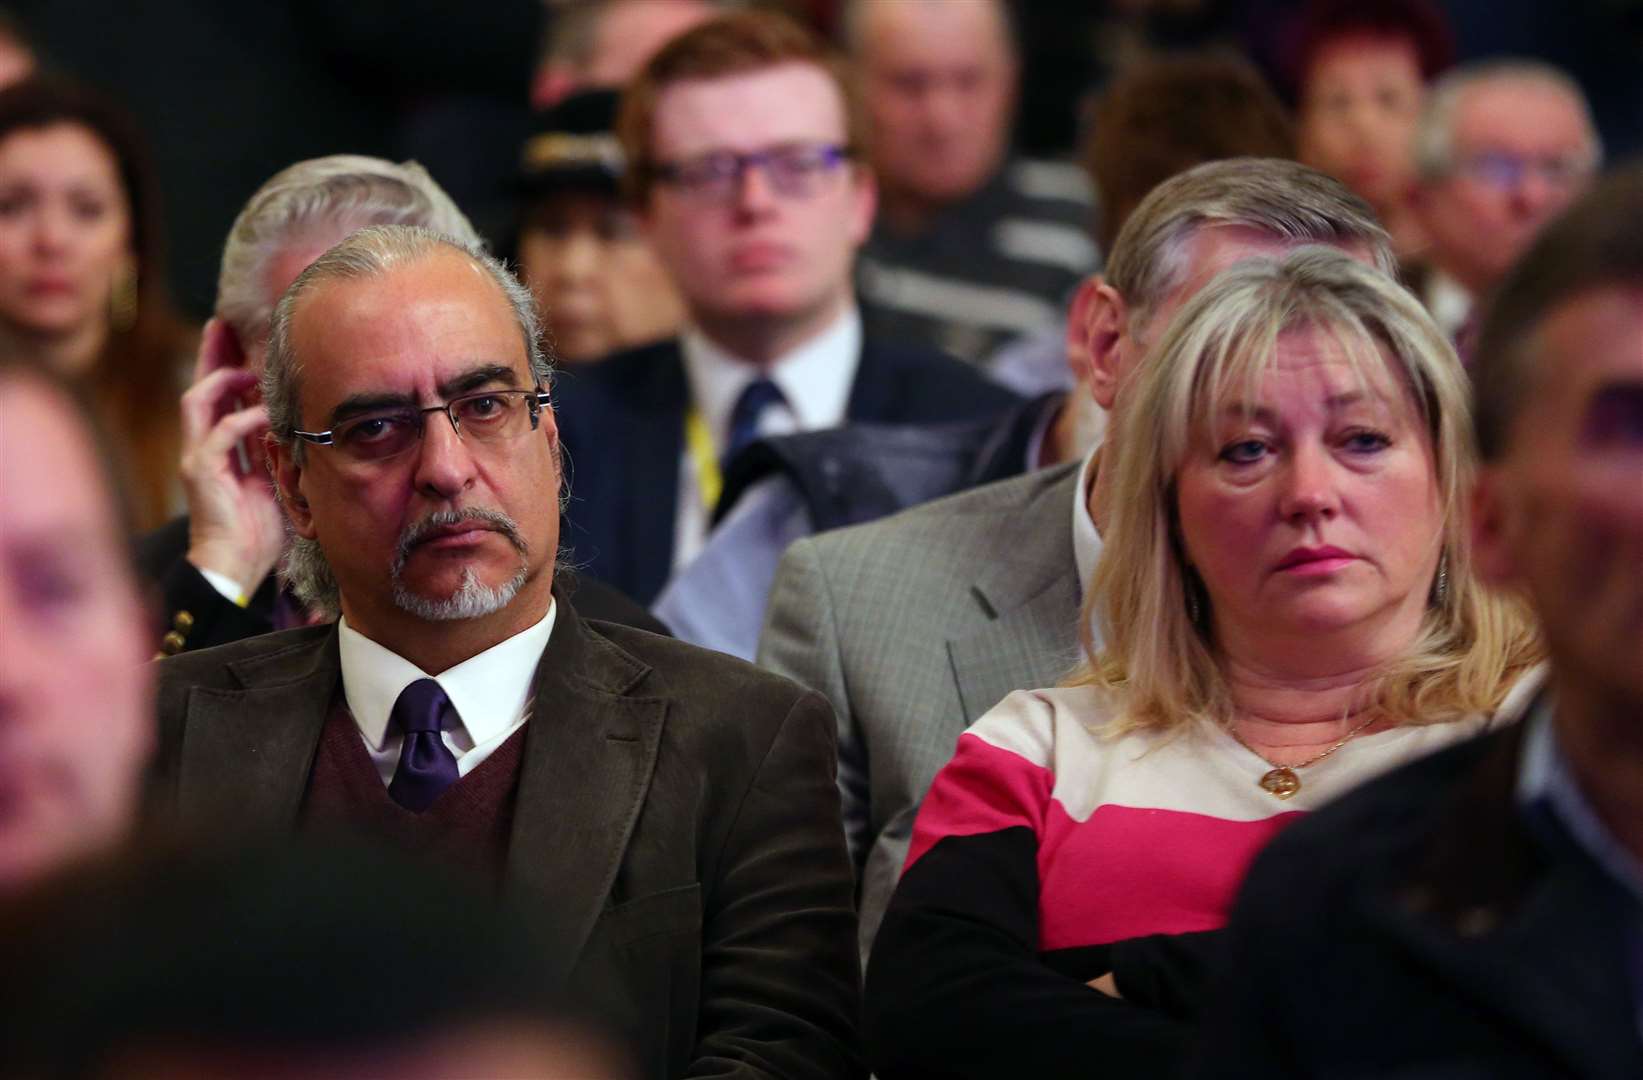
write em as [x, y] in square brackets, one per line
[1282, 198]
[372, 252]
[315, 201]
[1434, 145]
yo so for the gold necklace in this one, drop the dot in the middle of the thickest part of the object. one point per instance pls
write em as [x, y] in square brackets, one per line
[1280, 781]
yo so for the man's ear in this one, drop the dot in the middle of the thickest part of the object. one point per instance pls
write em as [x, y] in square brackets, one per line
[282, 462]
[1105, 317]
[1492, 529]
[865, 205]
[1078, 330]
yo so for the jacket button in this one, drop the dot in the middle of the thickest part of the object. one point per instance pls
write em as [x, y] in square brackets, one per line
[172, 643]
[183, 622]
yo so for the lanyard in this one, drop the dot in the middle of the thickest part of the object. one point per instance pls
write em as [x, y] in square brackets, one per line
[710, 481]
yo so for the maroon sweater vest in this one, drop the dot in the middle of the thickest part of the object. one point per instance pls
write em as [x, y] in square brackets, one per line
[467, 826]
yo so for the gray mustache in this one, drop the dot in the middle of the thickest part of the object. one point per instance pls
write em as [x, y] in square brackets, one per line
[418, 531]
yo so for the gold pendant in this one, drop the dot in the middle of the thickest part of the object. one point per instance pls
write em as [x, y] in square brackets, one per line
[1281, 782]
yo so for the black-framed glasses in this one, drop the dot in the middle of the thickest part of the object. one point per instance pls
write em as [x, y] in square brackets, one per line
[484, 416]
[795, 170]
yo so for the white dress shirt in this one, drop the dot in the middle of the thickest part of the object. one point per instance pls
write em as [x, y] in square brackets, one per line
[1086, 538]
[491, 692]
[1448, 302]
[815, 378]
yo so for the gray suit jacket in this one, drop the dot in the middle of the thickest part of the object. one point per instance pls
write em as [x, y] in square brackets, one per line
[913, 627]
[676, 831]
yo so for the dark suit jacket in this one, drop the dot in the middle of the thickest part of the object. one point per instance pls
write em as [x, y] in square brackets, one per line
[862, 472]
[676, 831]
[212, 619]
[1423, 927]
[622, 425]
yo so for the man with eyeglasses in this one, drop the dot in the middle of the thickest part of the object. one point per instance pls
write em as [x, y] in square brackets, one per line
[667, 814]
[1501, 148]
[213, 567]
[741, 139]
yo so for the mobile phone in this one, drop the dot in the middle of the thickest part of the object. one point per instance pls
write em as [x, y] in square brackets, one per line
[242, 453]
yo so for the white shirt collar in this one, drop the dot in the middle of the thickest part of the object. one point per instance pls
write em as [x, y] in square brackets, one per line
[1086, 539]
[815, 378]
[1448, 301]
[491, 691]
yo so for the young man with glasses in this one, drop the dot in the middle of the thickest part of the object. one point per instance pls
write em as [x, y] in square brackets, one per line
[666, 814]
[742, 137]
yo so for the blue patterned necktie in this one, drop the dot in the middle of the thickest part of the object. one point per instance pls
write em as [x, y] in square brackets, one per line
[426, 765]
[758, 396]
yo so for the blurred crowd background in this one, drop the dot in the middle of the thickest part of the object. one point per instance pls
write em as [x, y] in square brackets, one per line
[231, 93]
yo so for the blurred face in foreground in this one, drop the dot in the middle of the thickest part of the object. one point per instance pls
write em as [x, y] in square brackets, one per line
[75, 682]
[1313, 508]
[1560, 514]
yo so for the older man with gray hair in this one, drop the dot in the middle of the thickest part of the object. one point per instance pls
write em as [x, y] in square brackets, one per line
[667, 815]
[1501, 148]
[214, 564]
[915, 625]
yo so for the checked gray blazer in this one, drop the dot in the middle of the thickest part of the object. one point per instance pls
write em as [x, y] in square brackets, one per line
[915, 625]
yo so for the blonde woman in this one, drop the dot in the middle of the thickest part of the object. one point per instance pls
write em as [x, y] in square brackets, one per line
[1286, 608]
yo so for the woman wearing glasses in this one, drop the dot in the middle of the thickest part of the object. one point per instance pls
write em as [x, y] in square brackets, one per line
[1287, 606]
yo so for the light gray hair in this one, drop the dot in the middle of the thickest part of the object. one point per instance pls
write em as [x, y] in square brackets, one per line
[368, 253]
[318, 200]
[1282, 198]
[1434, 145]
[372, 252]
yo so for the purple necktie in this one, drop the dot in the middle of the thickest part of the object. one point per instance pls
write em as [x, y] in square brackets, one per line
[426, 765]
[758, 396]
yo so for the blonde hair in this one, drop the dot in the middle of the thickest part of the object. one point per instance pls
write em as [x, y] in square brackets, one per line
[1160, 665]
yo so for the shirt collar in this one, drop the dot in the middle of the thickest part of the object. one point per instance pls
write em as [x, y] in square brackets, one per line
[490, 690]
[815, 378]
[1086, 539]
[1448, 301]
[1544, 780]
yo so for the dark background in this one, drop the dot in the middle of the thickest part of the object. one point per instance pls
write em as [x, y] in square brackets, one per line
[230, 91]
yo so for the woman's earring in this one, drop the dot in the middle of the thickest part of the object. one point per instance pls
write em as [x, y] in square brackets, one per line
[1440, 584]
[1191, 586]
[122, 297]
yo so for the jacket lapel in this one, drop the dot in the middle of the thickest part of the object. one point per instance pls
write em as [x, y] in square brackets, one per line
[590, 751]
[649, 486]
[1029, 599]
[876, 392]
[246, 753]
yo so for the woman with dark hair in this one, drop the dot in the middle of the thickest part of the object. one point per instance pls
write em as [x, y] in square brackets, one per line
[1359, 71]
[82, 282]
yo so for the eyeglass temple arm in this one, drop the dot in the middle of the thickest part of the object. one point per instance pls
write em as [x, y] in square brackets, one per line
[539, 398]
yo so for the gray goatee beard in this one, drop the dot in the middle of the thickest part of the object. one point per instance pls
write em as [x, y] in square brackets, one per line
[470, 600]
[308, 573]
